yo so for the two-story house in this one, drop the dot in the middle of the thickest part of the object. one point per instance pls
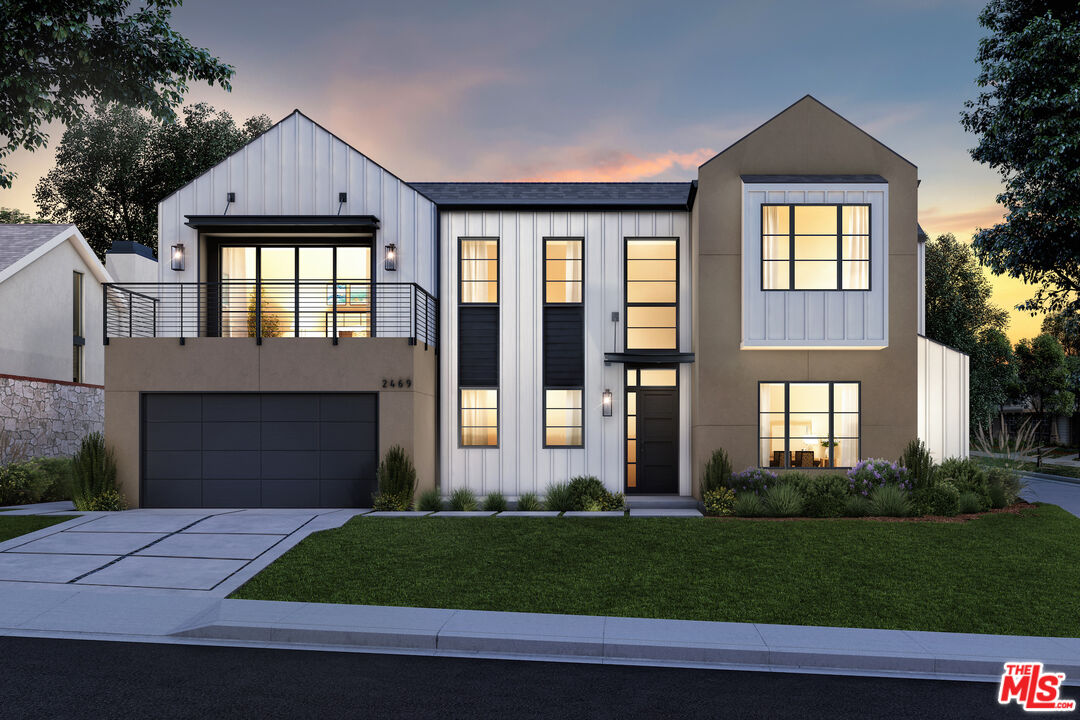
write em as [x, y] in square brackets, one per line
[316, 309]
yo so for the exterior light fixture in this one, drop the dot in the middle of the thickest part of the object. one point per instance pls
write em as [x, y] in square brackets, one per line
[178, 257]
[607, 403]
[391, 257]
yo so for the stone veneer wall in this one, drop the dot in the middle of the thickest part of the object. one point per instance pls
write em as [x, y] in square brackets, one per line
[50, 417]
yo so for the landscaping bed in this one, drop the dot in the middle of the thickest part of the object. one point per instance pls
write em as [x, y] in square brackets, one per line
[1012, 572]
[12, 526]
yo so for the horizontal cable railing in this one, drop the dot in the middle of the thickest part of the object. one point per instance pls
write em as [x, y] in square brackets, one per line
[271, 308]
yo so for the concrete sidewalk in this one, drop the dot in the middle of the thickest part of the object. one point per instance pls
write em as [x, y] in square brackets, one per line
[81, 612]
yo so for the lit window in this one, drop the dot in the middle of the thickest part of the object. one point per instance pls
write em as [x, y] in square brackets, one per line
[651, 294]
[808, 425]
[563, 279]
[77, 340]
[815, 247]
[479, 271]
[480, 417]
[563, 418]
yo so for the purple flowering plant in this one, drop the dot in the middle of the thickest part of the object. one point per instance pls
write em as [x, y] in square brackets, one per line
[754, 479]
[876, 472]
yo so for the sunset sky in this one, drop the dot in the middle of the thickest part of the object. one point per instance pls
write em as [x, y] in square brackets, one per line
[588, 90]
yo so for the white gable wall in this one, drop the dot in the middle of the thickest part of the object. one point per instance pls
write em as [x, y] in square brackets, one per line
[298, 168]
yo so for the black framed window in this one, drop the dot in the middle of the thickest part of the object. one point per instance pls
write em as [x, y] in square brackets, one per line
[77, 331]
[652, 293]
[478, 271]
[479, 419]
[564, 271]
[564, 418]
[808, 424]
[815, 246]
[564, 342]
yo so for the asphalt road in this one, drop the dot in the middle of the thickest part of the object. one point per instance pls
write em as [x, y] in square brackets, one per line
[45, 678]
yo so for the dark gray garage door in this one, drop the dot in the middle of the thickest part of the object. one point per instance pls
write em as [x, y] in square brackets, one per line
[259, 449]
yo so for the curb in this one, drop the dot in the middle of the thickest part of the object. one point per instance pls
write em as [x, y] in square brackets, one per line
[1048, 476]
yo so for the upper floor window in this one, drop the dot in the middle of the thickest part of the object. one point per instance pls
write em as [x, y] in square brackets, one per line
[479, 271]
[563, 277]
[652, 291]
[77, 341]
[815, 247]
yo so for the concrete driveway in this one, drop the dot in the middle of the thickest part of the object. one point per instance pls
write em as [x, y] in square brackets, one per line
[201, 551]
[1055, 492]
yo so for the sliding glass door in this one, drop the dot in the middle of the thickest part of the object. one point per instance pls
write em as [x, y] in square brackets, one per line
[296, 291]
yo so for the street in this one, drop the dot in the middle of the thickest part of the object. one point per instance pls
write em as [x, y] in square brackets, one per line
[47, 678]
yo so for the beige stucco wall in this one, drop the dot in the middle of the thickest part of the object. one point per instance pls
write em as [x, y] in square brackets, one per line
[806, 139]
[406, 415]
[35, 318]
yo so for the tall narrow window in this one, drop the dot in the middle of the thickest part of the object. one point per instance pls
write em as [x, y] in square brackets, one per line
[478, 341]
[77, 340]
[564, 342]
[652, 289]
[808, 424]
[815, 247]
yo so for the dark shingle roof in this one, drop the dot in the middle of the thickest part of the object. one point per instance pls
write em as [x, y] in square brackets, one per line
[578, 195]
[18, 241]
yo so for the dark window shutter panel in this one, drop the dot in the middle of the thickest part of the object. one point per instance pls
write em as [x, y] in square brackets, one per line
[478, 346]
[564, 346]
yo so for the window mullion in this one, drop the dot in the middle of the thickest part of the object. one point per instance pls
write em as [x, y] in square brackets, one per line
[839, 247]
[791, 247]
[787, 425]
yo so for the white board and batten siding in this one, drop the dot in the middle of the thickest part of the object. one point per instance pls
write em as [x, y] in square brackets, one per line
[298, 168]
[521, 463]
[944, 387]
[819, 318]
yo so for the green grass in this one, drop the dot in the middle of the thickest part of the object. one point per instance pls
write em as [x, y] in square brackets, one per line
[16, 525]
[1046, 469]
[1002, 573]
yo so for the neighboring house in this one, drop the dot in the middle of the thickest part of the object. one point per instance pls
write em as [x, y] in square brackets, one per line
[51, 353]
[317, 309]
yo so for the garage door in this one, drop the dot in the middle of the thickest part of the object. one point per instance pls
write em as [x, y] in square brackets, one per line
[259, 449]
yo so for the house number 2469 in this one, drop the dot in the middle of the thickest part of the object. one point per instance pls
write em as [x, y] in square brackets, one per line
[399, 383]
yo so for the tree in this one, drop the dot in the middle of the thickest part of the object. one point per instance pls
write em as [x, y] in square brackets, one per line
[112, 168]
[17, 217]
[1027, 117]
[58, 56]
[959, 314]
[1044, 377]
[1065, 326]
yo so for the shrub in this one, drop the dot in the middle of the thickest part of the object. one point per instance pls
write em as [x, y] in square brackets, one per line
[529, 502]
[969, 503]
[463, 500]
[824, 494]
[395, 503]
[748, 504]
[12, 450]
[889, 501]
[430, 501]
[559, 498]
[23, 483]
[718, 502]
[58, 472]
[1003, 487]
[717, 472]
[941, 498]
[968, 476]
[397, 476]
[755, 480]
[783, 500]
[495, 501]
[93, 472]
[873, 473]
[109, 501]
[856, 506]
[919, 465]
[589, 493]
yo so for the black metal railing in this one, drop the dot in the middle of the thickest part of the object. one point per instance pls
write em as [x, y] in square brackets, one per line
[271, 308]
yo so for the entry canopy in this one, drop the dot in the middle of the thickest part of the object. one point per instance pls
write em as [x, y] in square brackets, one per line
[283, 223]
[648, 358]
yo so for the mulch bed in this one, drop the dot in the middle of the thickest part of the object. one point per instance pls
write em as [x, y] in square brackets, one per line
[1017, 508]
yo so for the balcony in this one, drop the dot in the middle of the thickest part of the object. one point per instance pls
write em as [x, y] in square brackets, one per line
[271, 308]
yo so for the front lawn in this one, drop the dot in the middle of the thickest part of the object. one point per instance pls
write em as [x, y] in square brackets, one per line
[1001, 573]
[12, 526]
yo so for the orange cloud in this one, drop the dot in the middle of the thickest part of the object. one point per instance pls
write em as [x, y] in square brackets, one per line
[621, 166]
[962, 223]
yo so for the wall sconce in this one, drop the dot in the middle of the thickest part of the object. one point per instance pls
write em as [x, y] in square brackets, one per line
[391, 257]
[178, 257]
[607, 403]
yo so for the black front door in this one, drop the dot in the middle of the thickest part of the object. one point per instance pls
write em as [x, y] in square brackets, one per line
[653, 433]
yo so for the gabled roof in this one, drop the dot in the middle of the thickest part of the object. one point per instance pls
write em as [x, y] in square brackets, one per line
[807, 98]
[22, 244]
[577, 195]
